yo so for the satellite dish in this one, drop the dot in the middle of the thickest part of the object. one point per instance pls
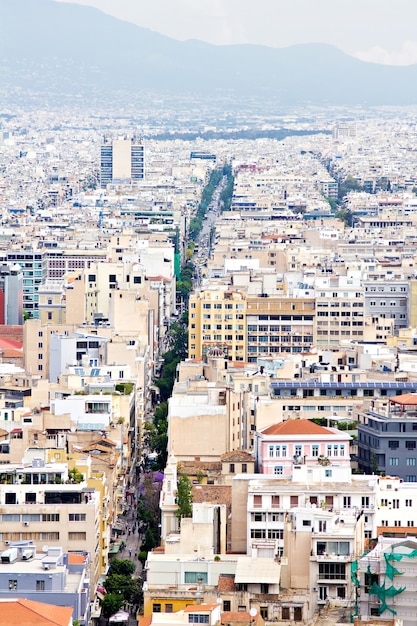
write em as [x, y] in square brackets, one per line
[253, 612]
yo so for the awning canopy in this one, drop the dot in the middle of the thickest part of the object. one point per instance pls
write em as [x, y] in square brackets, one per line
[121, 617]
[259, 570]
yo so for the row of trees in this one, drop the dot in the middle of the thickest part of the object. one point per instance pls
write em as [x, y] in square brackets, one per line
[196, 224]
[227, 192]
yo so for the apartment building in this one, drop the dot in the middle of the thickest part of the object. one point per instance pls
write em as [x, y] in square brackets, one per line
[247, 327]
[33, 262]
[282, 447]
[217, 318]
[339, 310]
[388, 299]
[122, 160]
[38, 503]
[279, 325]
[388, 580]
[387, 437]
[52, 576]
[260, 502]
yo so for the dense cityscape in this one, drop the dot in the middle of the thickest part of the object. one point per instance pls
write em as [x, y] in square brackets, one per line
[208, 372]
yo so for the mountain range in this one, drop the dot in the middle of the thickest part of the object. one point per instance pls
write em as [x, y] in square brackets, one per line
[66, 49]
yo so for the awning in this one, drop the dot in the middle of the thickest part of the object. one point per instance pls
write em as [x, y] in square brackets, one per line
[259, 570]
[115, 549]
[121, 617]
[16, 430]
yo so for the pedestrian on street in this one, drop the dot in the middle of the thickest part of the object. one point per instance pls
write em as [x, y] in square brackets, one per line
[130, 552]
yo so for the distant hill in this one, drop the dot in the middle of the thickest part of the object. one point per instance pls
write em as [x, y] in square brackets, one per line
[49, 47]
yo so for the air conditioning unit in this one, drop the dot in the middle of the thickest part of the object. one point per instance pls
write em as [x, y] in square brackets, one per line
[25, 523]
[7, 543]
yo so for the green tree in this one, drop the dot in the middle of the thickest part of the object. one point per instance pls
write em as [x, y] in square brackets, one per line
[184, 498]
[111, 603]
[118, 583]
[75, 476]
[122, 566]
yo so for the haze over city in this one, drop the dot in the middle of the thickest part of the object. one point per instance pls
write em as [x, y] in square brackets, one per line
[380, 32]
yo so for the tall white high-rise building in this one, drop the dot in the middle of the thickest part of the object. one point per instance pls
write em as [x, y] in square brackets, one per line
[122, 160]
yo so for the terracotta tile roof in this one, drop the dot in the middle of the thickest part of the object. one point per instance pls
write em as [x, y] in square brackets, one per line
[297, 427]
[237, 455]
[235, 616]
[19, 612]
[212, 493]
[407, 399]
[226, 583]
[193, 467]
[75, 559]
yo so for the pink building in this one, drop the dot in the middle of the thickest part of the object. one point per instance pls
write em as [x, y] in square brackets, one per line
[300, 442]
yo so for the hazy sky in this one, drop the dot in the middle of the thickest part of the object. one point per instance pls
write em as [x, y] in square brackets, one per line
[383, 31]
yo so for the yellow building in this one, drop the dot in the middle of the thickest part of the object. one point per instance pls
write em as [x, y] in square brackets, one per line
[249, 327]
[217, 318]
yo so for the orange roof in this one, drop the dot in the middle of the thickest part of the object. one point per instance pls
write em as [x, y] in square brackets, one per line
[409, 399]
[235, 616]
[297, 427]
[75, 559]
[19, 612]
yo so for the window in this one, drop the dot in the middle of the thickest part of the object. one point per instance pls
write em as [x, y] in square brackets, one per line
[396, 503]
[276, 533]
[293, 501]
[298, 450]
[258, 533]
[195, 577]
[232, 468]
[12, 585]
[346, 502]
[169, 608]
[394, 460]
[257, 502]
[49, 315]
[365, 501]
[40, 585]
[50, 517]
[393, 445]
[275, 502]
[410, 478]
[271, 451]
[332, 571]
[285, 612]
[197, 618]
[408, 502]
[306, 522]
[278, 470]
[76, 517]
[156, 608]
[315, 450]
[298, 614]
[77, 536]
[411, 461]
[410, 445]
[328, 473]
[226, 605]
